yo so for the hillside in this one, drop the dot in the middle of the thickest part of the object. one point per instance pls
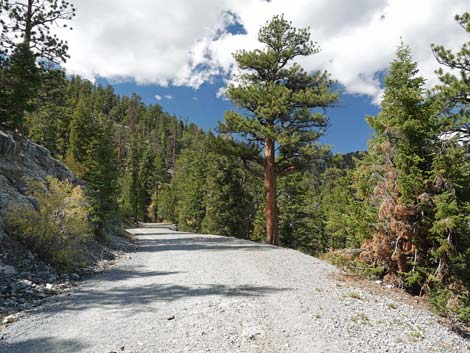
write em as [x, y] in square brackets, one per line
[25, 280]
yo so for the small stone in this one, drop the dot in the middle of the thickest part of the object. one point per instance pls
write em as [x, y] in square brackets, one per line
[52, 277]
[24, 284]
[49, 286]
[8, 270]
[172, 317]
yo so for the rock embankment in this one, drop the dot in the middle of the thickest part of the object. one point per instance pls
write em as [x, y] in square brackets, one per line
[24, 280]
[22, 159]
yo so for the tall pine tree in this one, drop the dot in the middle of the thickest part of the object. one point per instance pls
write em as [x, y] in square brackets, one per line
[277, 98]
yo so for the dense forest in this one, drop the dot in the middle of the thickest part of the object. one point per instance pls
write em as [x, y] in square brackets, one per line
[403, 205]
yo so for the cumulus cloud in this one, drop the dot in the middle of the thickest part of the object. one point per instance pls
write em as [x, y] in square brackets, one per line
[186, 43]
[158, 97]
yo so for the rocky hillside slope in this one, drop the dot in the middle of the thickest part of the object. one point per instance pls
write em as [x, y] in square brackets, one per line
[24, 280]
[22, 159]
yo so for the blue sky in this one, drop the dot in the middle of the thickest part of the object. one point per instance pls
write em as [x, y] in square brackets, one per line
[348, 130]
[183, 49]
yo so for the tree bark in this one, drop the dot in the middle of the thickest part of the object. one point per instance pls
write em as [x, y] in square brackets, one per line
[28, 24]
[272, 234]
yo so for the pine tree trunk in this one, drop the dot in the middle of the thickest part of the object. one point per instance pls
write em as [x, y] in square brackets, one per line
[272, 235]
[28, 25]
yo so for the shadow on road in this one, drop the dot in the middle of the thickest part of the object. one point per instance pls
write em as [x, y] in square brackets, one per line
[138, 296]
[198, 243]
[43, 344]
[133, 272]
[138, 299]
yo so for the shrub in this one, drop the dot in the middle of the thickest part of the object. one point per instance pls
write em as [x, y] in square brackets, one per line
[452, 302]
[348, 261]
[56, 226]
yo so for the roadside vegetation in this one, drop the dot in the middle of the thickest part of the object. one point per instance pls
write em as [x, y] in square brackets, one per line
[57, 226]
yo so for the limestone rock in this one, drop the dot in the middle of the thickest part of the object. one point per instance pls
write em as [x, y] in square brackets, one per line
[10, 319]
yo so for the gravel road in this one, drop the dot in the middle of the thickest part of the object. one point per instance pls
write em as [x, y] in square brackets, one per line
[182, 292]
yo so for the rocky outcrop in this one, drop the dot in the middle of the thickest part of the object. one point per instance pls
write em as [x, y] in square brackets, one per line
[25, 281]
[21, 159]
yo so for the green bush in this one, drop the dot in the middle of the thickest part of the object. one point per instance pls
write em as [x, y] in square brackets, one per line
[348, 261]
[454, 304]
[56, 227]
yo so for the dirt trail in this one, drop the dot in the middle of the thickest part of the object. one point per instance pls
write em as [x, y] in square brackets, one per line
[182, 292]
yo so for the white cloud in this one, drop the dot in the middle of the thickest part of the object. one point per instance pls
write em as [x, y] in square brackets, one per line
[184, 43]
[158, 97]
[169, 97]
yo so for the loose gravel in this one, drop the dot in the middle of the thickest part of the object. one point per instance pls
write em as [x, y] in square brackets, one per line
[181, 292]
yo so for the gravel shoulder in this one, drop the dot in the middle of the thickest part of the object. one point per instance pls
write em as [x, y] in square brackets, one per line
[182, 292]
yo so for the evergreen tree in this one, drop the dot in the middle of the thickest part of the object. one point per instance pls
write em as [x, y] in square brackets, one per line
[102, 178]
[29, 23]
[20, 81]
[229, 205]
[133, 203]
[82, 134]
[147, 177]
[48, 124]
[189, 184]
[348, 217]
[161, 179]
[399, 161]
[26, 38]
[293, 218]
[451, 174]
[278, 100]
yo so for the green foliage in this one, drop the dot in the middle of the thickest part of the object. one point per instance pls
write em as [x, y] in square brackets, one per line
[102, 178]
[455, 85]
[188, 182]
[293, 230]
[278, 98]
[350, 262]
[48, 123]
[396, 175]
[57, 225]
[20, 80]
[279, 104]
[27, 46]
[82, 130]
[32, 24]
[349, 218]
[166, 204]
[133, 195]
[229, 205]
[454, 304]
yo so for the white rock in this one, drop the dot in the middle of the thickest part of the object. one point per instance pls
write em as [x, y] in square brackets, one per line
[10, 319]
